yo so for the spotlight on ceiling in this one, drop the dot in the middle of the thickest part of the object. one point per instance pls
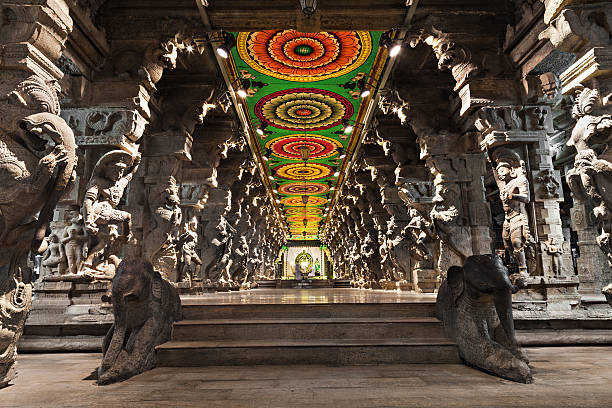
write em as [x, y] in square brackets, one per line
[261, 128]
[364, 90]
[393, 46]
[336, 174]
[341, 153]
[242, 90]
[228, 42]
[348, 129]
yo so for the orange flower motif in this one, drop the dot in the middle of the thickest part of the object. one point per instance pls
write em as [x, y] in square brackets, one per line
[296, 56]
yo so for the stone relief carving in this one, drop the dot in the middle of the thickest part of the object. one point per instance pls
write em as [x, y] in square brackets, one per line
[160, 241]
[190, 263]
[514, 193]
[590, 180]
[577, 29]
[556, 254]
[74, 239]
[37, 161]
[107, 226]
[548, 185]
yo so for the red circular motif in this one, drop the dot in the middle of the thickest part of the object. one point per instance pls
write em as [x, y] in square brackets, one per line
[303, 112]
[288, 147]
[328, 109]
[303, 188]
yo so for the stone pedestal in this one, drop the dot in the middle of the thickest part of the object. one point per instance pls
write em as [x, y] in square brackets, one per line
[68, 314]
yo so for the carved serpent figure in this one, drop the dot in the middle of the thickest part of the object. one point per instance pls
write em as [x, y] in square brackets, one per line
[475, 305]
[144, 306]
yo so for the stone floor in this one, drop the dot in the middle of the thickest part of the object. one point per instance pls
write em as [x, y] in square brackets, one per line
[564, 377]
[308, 296]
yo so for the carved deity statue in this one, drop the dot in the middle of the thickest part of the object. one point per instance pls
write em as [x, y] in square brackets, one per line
[514, 194]
[111, 175]
[556, 253]
[591, 178]
[54, 259]
[74, 239]
[189, 267]
[165, 218]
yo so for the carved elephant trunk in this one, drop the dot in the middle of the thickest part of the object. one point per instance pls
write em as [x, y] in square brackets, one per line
[144, 306]
[475, 305]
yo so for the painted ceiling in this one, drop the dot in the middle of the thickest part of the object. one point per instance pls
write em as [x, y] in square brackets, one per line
[303, 98]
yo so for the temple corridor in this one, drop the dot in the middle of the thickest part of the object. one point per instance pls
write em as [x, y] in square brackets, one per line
[338, 185]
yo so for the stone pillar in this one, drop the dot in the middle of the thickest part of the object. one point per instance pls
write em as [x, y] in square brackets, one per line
[32, 36]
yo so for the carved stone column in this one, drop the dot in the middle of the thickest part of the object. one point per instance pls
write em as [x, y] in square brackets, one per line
[32, 36]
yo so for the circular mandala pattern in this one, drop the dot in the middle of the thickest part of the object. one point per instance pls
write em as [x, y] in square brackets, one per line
[307, 211]
[304, 57]
[303, 109]
[288, 147]
[297, 201]
[303, 188]
[299, 171]
[300, 219]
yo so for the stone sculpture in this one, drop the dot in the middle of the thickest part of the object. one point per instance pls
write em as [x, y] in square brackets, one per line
[37, 161]
[556, 253]
[475, 305]
[190, 263]
[514, 194]
[591, 177]
[160, 243]
[54, 258]
[111, 175]
[74, 239]
[144, 306]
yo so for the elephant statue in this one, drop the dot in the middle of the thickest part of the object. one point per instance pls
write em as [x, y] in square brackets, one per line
[475, 305]
[144, 306]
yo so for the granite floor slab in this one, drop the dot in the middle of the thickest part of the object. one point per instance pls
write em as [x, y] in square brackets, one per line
[564, 377]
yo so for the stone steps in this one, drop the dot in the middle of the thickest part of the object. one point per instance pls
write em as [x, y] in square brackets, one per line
[322, 351]
[202, 311]
[320, 328]
[306, 333]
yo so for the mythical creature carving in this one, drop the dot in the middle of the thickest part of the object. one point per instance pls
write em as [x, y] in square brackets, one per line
[555, 253]
[514, 193]
[111, 175]
[591, 177]
[475, 305]
[144, 306]
[37, 161]
[549, 186]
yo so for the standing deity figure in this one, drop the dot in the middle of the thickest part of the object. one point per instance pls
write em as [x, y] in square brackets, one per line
[74, 238]
[514, 194]
[190, 261]
[111, 175]
[53, 258]
[555, 253]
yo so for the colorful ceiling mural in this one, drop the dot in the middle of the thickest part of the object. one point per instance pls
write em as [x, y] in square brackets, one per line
[305, 96]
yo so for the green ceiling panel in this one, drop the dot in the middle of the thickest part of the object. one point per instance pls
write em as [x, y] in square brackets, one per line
[303, 93]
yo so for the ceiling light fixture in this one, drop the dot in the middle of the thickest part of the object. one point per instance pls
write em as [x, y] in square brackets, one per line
[304, 152]
[393, 46]
[364, 91]
[228, 43]
[308, 7]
